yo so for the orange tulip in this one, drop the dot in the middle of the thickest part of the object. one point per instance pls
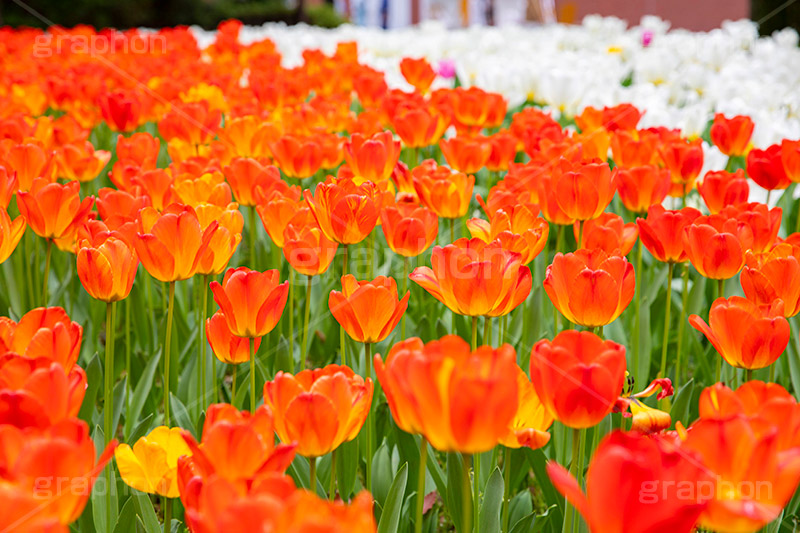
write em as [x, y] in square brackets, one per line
[459, 400]
[475, 278]
[52, 210]
[470, 107]
[419, 125]
[756, 224]
[765, 167]
[81, 162]
[578, 376]
[277, 210]
[643, 187]
[47, 475]
[634, 150]
[372, 158]
[192, 122]
[731, 135]
[226, 346]
[774, 275]
[305, 247]
[29, 161]
[44, 332]
[609, 233]
[584, 191]
[368, 310]
[504, 150]
[744, 334]
[156, 185]
[297, 157]
[446, 193]
[251, 301]
[121, 110]
[246, 176]
[346, 212]
[418, 73]
[529, 426]
[171, 244]
[370, 87]
[621, 117]
[712, 248]
[684, 159]
[141, 148]
[107, 267]
[208, 188]
[319, 409]
[518, 229]
[8, 186]
[409, 229]
[635, 483]
[662, 232]
[119, 208]
[721, 189]
[466, 154]
[590, 287]
[225, 239]
[790, 157]
[11, 232]
[751, 478]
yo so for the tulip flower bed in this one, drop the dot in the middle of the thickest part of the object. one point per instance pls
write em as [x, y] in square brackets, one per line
[243, 296]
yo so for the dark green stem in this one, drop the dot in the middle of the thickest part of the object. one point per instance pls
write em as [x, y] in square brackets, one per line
[423, 458]
[662, 373]
[167, 349]
[306, 316]
[252, 343]
[370, 419]
[47, 254]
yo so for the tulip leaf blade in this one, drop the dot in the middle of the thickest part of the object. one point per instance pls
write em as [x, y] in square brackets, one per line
[146, 512]
[102, 514]
[126, 522]
[140, 430]
[492, 501]
[390, 518]
[94, 378]
[382, 476]
[680, 408]
[538, 462]
[347, 468]
[141, 392]
[454, 499]
[180, 415]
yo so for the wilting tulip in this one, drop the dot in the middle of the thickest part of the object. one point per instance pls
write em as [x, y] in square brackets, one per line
[372, 158]
[47, 475]
[11, 232]
[466, 154]
[578, 376]
[251, 301]
[459, 400]
[151, 465]
[751, 478]
[246, 176]
[684, 159]
[646, 419]
[643, 187]
[444, 192]
[297, 157]
[368, 310]
[346, 212]
[765, 167]
[731, 135]
[418, 73]
[636, 483]
[715, 253]
[171, 244]
[475, 278]
[107, 267]
[584, 191]
[409, 229]
[721, 189]
[52, 210]
[530, 423]
[518, 229]
[319, 409]
[744, 334]
[43, 332]
[590, 287]
[609, 233]
[774, 275]
[662, 232]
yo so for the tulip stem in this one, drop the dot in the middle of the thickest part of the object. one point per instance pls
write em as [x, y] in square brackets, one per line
[667, 309]
[476, 490]
[370, 242]
[506, 487]
[108, 400]
[233, 384]
[128, 353]
[559, 241]
[405, 289]
[466, 514]
[423, 458]
[332, 490]
[48, 252]
[167, 515]
[748, 374]
[474, 333]
[26, 252]
[720, 294]
[797, 222]
[579, 243]
[252, 214]
[342, 338]
[252, 343]
[203, 341]
[370, 422]
[291, 312]
[306, 316]
[502, 332]
[452, 230]
[487, 330]
[684, 303]
[312, 475]
[637, 309]
[167, 347]
[570, 520]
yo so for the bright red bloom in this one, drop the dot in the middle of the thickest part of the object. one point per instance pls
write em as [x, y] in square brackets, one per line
[721, 189]
[121, 110]
[684, 159]
[297, 157]
[715, 251]
[226, 346]
[584, 191]
[45, 332]
[765, 167]
[731, 135]
[662, 232]
[250, 180]
[774, 275]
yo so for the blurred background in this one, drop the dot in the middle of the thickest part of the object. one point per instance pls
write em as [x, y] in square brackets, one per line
[695, 15]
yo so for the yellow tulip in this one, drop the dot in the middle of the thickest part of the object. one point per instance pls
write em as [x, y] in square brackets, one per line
[151, 465]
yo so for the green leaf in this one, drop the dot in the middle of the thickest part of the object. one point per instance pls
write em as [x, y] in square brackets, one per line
[538, 462]
[520, 506]
[492, 501]
[455, 500]
[180, 415]
[146, 512]
[140, 393]
[94, 378]
[680, 408]
[283, 356]
[127, 518]
[105, 510]
[390, 518]
[524, 524]
[119, 401]
[381, 474]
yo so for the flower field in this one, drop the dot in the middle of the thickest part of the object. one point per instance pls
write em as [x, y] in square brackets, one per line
[285, 280]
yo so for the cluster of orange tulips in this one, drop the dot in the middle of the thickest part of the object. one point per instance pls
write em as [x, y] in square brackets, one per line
[484, 413]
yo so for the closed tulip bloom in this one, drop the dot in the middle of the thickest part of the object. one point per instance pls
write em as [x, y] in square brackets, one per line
[276, 210]
[157, 186]
[590, 287]
[642, 187]
[305, 247]
[9, 185]
[609, 233]
[171, 244]
[756, 224]
[752, 478]
[444, 192]
[459, 400]
[107, 267]
[141, 148]
[765, 167]
[418, 73]
[662, 232]
[226, 346]
[297, 157]
[578, 376]
[504, 150]
[151, 465]
[251, 301]
[121, 110]
[470, 107]
[790, 157]
[246, 176]
[731, 135]
[208, 188]
[368, 310]
[584, 191]
[346, 212]
[120, 209]
[43, 332]
[744, 334]
[684, 159]
[633, 485]
[548, 201]
[721, 189]
[409, 229]
[319, 409]
[475, 278]
[11, 232]
[634, 149]
[774, 275]
[225, 240]
[419, 125]
[466, 154]
[52, 210]
[715, 253]
[529, 427]
[518, 229]
[372, 158]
